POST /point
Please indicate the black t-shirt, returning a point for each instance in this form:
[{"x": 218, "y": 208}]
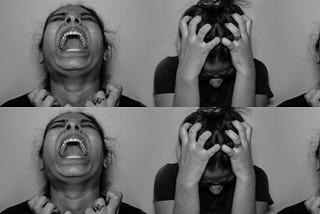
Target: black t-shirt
[
  {"x": 165, "y": 81},
  {"x": 165, "y": 184},
  {"x": 298, "y": 101},
  {"x": 299, "y": 208},
  {"x": 23, "y": 101},
  {"x": 23, "y": 208}
]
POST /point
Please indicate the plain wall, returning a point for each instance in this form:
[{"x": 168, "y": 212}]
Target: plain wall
[{"x": 146, "y": 140}]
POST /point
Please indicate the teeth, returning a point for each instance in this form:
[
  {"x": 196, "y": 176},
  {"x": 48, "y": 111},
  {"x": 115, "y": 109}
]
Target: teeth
[
  {"x": 65, "y": 144},
  {"x": 73, "y": 50},
  {"x": 73, "y": 33},
  {"x": 73, "y": 157}
]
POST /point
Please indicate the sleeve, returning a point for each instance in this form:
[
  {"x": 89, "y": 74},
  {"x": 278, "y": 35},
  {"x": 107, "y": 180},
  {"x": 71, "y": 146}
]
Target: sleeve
[
  {"x": 262, "y": 79},
  {"x": 298, "y": 101},
  {"x": 165, "y": 76},
  {"x": 262, "y": 186},
  {"x": 165, "y": 183}
]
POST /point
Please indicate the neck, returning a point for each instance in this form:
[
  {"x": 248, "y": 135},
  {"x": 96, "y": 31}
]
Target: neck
[
  {"x": 73, "y": 92},
  {"x": 75, "y": 199}
]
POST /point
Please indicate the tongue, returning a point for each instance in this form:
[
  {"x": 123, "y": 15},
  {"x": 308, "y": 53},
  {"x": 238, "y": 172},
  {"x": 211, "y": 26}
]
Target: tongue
[
  {"x": 73, "y": 43},
  {"x": 73, "y": 150}
]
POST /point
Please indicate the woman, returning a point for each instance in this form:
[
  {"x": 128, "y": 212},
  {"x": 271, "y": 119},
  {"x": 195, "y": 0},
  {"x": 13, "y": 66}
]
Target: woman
[
  {"x": 309, "y": 99},
  {"x": 214, "y": 173},
  {"x": 214, "y": 66},
  {"x": 309, "y": 206},
  {"x": 75, "y": 52},
  {"x": 74, "y": 158}
]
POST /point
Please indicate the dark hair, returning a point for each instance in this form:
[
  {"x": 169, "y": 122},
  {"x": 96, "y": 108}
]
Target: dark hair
[
  {"x": 107, "y": 152},
  {"x": 217, "y": 120},
  {"x": 316, "y": 48},
  {"x": 104, "y": 76},
  {"x": 216, "y": 13}
]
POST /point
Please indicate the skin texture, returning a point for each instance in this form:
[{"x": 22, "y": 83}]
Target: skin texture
[
  {"x": 313, "y": 97},
  {"x": 192, "y": 158},
  {"x": 193, "y": 52},
  {"x": 74, "y": 183},
  {"x": 313, "y": 204},
  {"x": 74, "y": 76}
]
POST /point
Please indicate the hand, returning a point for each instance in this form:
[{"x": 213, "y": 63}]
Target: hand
[
  {"x": 42, "y": 205},
  {"x": 240, "y": 48},
  {"x": 110, "y": 98},
  {"x": 313, "y": 97},
  {"x": 192, "y": 49},
  {"x": 40, "y": 97},
  {"x": 313, "y": 204},
  {"x": 193, "y": 158},
  {"x": 240, "y": 154},
  {"x": 111, "y": 205}
]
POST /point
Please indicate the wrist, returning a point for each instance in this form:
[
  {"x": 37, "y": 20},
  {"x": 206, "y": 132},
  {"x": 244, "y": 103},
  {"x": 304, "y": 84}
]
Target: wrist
[
  {"x": 249, "y": 178},
  {"x": 186, "y": 183}
]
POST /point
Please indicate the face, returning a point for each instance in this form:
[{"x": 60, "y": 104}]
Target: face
[
  {"x": 72, "y": 148},
  {"x": 72, "y": 42},
  {"x": 215, "y": 72},
  {"x": 216, "y": 179}
]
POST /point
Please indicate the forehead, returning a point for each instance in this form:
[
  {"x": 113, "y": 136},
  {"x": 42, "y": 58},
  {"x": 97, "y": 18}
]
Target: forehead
[
  {"x": 71, "y": 9},
  {"x": 71, "y": 116}
]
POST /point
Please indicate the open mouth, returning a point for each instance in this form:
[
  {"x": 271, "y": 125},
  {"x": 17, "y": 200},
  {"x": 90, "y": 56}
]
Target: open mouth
[
  {"x": 73, "y": 147},
  {"x": 73, "y": 41}
]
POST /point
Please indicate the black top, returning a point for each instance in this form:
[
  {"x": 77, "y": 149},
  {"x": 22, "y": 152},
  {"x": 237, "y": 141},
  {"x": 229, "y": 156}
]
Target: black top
[
  {"x": 165, "y": 81},
  {"x": 23, "y": 208},
  {"x": 23, "y": 101},
  {"x": 299, "y": 208},
  {"x": 165, "y": 184},
  {"x": 298, "y": 101}
]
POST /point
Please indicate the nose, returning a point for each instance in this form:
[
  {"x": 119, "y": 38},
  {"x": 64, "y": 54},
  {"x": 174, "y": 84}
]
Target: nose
[
  {"x": 72, "y": 126},
  {"x": 73, "y": 19}
]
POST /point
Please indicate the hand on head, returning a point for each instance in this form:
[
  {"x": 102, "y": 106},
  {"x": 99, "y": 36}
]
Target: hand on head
[{"x": 193, "y": 157}]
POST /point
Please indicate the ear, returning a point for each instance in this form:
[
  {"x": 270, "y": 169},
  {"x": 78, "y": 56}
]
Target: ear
[
  {"x": 106, "y": 162},
  {"x": 41, "y": 165},
  {"x": 41, "y": 57},
  {"x": 106, "y": 55}
]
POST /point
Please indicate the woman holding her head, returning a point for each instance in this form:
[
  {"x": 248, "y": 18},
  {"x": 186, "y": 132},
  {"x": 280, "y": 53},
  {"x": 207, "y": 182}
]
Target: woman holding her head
[
  {"x": 215, "y": 172},
  {"x": 75, "y": 52},
  {"x": 214, "y": 66},
  {"x": 74, "y": 159}
]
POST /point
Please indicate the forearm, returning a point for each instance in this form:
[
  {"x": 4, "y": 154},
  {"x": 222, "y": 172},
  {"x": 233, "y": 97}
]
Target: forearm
[
  {"x": 244, "y": 196},
  {"x": 186, "y": 198},
  {"x": 244, "y": 88},
  {"x": 186, "y": 90}
]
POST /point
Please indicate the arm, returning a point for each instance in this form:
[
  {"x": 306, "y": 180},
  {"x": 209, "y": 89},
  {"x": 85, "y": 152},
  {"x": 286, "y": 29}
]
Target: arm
[
  {"x": 242, "y": 60},
  {"x": 193, "y": 52},
  {"x": 242, "y": 166}
]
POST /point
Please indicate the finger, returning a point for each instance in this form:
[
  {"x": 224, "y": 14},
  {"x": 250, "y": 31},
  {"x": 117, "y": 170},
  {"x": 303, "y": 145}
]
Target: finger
[
  {"x": 233, "y": 29},
  {"x": 213, "y": 150},
  {"x": 98, "y": 97},
  {"x": 241, "y": 132},
  {"x": 234, "y": 137},
  {"x": 48, "y": 101},
  {"x": 226, "y": 42},
  {"x": 309, "y": 201},
  {"x": 39, "y": 97},
  {"x": 114, "y": 200},
  {"x": 193, "y": 25},
  {"x": 248, "y": 130},
  {"x": 315, "y": 97},
  {"x": 114, "y": 92},
  {"x": 33, "y": 93},
  {"x": 204, "y": 137},
  {"x": 48, "y": 208},
  {"x": 193, "y": 131},
  {"x": 32, "y": 201},
  {"x": 241, "y": 24},
  {"x": 184, "y": 133},
  {"x": 183, "y": 26},
  {"x": 89, "y": 211},
  {"x": 226, "y": 149},
  {"x": 178, "y": 45},
  {"x": 89, "y": 103},
  {"x": 203, "y": 31},
  {"x": 40, "y": 203},
  {"x": 213, "y": 43},
  {"x": 99, "y": 204},
  {"x": 315, "y": 204},
  {"x": 248, "y": 23}
]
